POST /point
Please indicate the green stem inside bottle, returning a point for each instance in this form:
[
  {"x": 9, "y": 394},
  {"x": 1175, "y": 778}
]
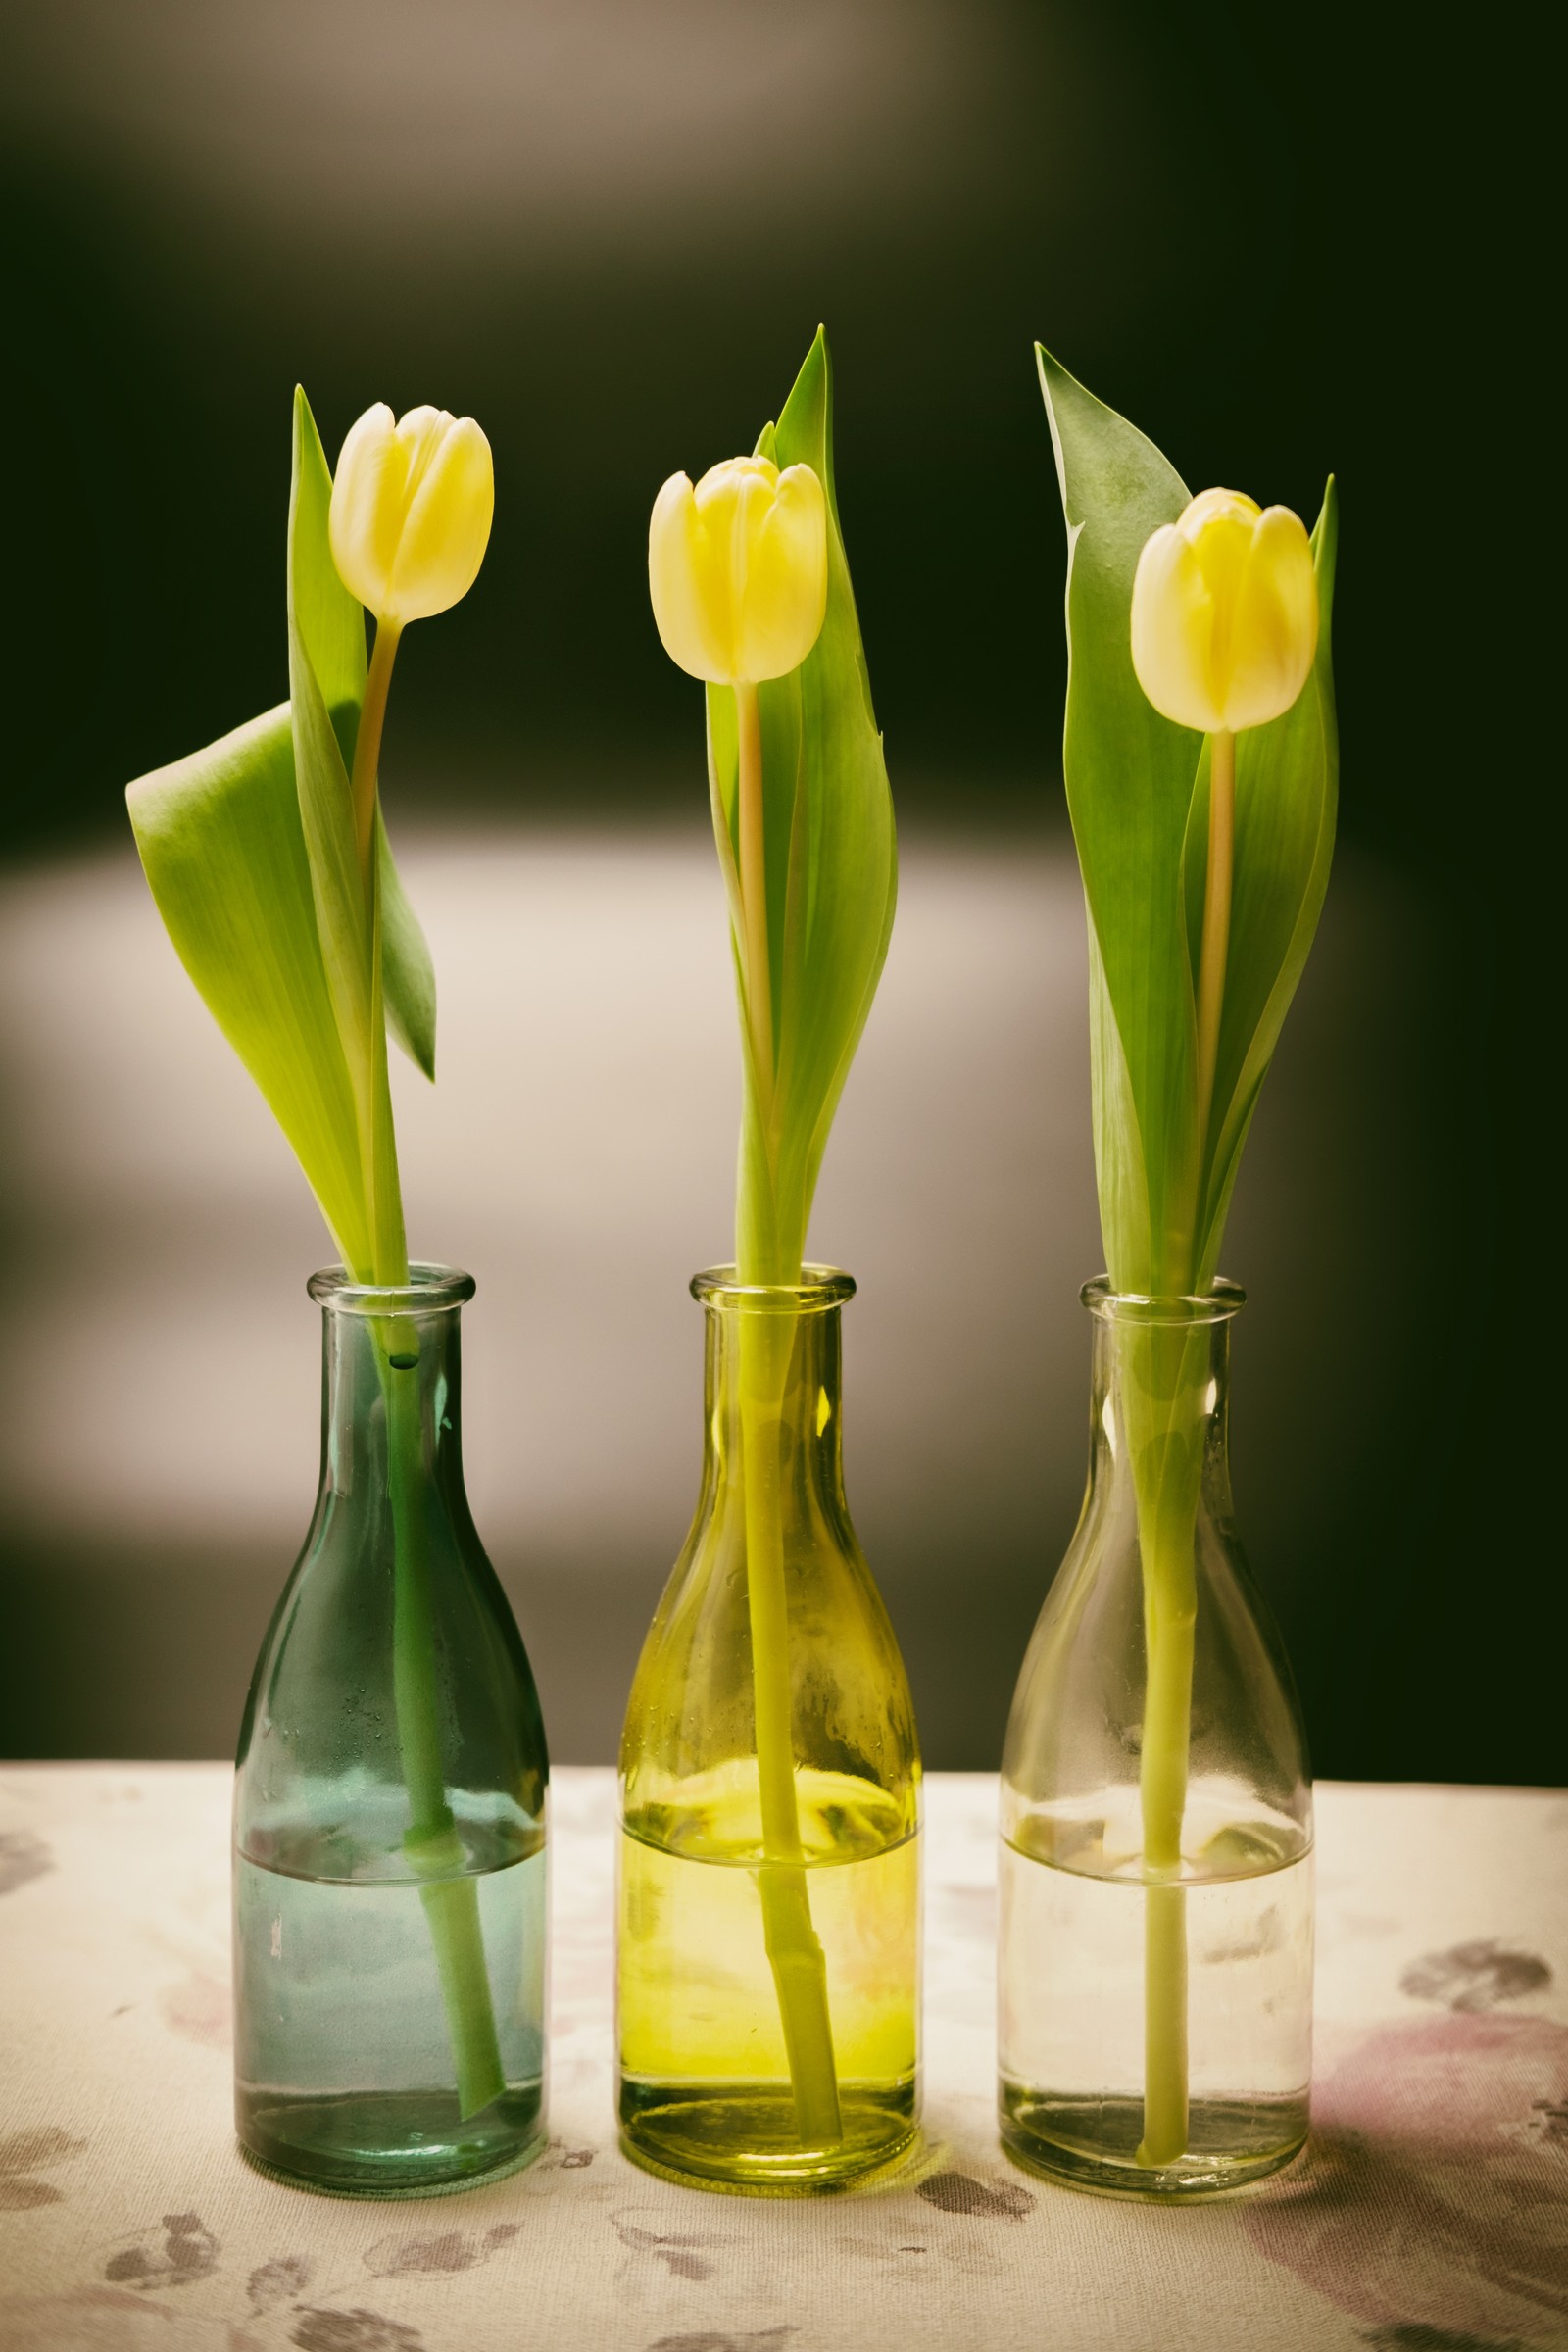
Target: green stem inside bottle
[
  {"x": 431, "y": 1841},
  {"x": 793, "y": 1949},
  {"x": 1165, "y": 1395},
  {"x": 1170, "y": 1377}
]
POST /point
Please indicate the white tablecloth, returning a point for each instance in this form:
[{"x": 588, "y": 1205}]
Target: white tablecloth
[{"x": 1431, "y": 2216}]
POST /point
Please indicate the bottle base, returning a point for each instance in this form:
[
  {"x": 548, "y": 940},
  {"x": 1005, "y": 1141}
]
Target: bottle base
[
  {"x": 743, "y": 2140},
  {"x": 1091, "y": 2143},
  {"x": 409, "y": 2144}
]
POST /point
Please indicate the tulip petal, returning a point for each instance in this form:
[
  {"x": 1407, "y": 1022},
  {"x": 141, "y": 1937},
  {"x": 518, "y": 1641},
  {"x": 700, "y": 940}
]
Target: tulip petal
[
  {"x": 734, "y": 520},
  {"x": 737, "y": 569},
  {"x": 1275, "y": 626},
  {"x": 678, "y": 573},
  {"x": 1172, "y": 630},
  {"x": 1224, "y": 615},
  {"x": 1217, "y": 506},
  {"x": 366, "y": 510},
  {"x": 786, "y": 588},
  {"x": 452, "y": 502}
]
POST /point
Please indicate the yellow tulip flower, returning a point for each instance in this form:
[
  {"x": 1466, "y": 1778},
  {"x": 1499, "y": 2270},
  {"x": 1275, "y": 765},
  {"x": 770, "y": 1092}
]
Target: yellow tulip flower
[
  {"x": 737, "y": 569},
  {"x": 411, "y": 507},
  {"x": 413, "y": 501},
  {"x": 1224, "y": 620}
]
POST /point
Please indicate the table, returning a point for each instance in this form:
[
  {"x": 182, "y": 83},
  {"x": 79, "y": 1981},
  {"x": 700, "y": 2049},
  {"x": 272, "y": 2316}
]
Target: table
[{"x": 1431, "y": 2213}]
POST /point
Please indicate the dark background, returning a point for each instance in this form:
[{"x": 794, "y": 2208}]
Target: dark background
[{"x": 609, "y": 230}]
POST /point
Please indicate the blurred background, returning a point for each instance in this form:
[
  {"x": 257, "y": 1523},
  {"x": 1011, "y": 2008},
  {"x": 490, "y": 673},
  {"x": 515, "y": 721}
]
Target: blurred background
[{"x": 609, "y": 229}]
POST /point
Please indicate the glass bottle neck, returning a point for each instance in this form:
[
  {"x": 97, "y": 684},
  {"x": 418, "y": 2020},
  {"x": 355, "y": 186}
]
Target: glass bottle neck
[
  {"x": 1160, "y": 1395},
  {"x": 390, "y": 1384},
  {"x": 774, "y": 1377}
]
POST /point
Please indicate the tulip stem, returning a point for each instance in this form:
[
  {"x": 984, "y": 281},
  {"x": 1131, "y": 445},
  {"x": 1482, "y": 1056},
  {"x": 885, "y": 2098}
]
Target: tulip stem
[
  {"x": 367, "y": 742},
  {"x": 1163, "y": 1376},
  {"x": 433, "y": 1843},
  {"x": 793, "y": 1949},
  {"x": 753, "y": 864},
  {"x": 1216, "y": 932}
]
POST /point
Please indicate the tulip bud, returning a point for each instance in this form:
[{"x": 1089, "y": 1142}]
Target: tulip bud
[
  {"x": 737, "y": 569},
  {"x": 1224, "y": 621},
  {"x": 412, "y": 507}
]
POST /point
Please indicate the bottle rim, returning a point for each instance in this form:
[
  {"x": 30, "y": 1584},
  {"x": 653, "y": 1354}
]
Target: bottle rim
[
  {"x": 1217, "y": 1305},
  {"x": 430, "y": 1289},
  {"x": 820, "y": 1288}
]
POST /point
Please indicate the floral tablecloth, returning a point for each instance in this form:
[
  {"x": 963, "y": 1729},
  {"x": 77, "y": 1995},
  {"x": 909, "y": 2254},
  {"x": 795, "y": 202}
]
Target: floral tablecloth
[{"x": 1431, "y": 2215}]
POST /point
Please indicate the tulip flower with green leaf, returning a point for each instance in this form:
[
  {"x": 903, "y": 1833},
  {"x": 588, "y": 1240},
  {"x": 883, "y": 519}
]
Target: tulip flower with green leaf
[
  {"x": 1202, "y": 767},
  {"x": 269, "y": 862},
  {"x": 751, "y": 592}
]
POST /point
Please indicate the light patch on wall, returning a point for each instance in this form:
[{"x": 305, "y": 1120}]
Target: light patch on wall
[{"x": 606, "y": 123}]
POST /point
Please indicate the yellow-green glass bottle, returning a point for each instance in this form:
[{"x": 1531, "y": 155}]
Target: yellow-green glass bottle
[{"x": 768, "y": 1963}]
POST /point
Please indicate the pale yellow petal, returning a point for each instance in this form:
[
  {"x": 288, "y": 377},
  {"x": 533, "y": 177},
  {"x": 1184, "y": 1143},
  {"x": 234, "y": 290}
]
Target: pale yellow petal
[
  {"x": 366, "y": 518},
  {"x": 737, "y": 569},
  {"x": 678, "y": 576},
  {"x": 1216, "y": 506},
  {"x": 1275, "y": 627},
  {"x": 786, "y": 587},
  {"x": 1224, "y": 613},
  {"x": 451, "y": 499},
  {"x": 1172, "y": 630}
]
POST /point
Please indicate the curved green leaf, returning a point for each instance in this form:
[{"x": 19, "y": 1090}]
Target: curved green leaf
[
  {"x": 343, "y": 912},
  {"x": 326, "y": 680},
  {"x": 1128, "y": 775},
  {"x": 224, "y": 850},
  {"x": 1287, "y": 795},
  {"x": 407, "y": 973},
  {"x": 248, "y": 846},
  {"x": 832, "y": 866},
  {"x": 1138, "y": 792},
  {"x": 327, "y": 687}
]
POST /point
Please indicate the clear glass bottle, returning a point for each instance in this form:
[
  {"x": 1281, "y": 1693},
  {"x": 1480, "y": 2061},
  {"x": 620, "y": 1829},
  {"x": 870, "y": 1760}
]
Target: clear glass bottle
[
  {"x": 768, "y": 1955},
  {"x": 1155, "y": 1954},
  {"x": 390, "y": 1802}
]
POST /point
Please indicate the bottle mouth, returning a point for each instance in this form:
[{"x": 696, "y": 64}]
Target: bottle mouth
[
  {"x": 818, "y": 1289},
  {"x": 430, "y": 1289},
  {"x": 1217, "y": 1305}
]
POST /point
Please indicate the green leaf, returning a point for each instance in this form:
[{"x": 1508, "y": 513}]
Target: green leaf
[
  {"x": 329, "y": 620},
  {"x": 1138, "y": 792},
  {"x": 1287, "y": 798},
  {"x": 831, "y": 862},
  {"x": 326, "y": 683},
  {"x": 327, "y": 673},
  {"x": 249, "y": 850},
  {"x": 406, "y": 972},
  {"x": 224, "y": 850},
  {"x": 343, "y": 914},
  {"x": 1129, "y": 776}
]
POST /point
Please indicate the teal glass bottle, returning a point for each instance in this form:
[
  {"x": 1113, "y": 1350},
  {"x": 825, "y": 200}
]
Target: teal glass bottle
[{"x": 390, "y": 1798}]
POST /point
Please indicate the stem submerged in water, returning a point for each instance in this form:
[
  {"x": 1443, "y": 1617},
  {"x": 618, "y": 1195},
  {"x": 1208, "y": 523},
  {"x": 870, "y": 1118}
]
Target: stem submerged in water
[
  {"x": 793, "y": 1949},
  {"x": 431, "y": 1841},
  {"x": 1168, "y": 1374},
  {"x": 1169, "y": 1617},
  {"x": 1167, "y": 1467}
]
